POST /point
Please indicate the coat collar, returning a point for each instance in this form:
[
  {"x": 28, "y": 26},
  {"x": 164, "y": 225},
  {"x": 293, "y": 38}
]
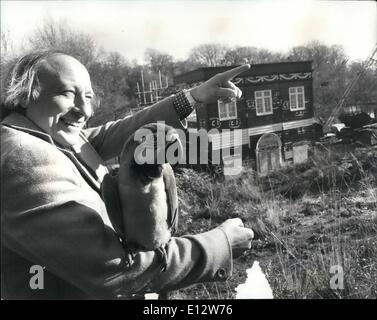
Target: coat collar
[
  {"x": 83, "y": 155},
  {"x": 20, "y": 122}
]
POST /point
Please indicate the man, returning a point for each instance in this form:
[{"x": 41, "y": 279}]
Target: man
[{"x": 52, "y": 213}]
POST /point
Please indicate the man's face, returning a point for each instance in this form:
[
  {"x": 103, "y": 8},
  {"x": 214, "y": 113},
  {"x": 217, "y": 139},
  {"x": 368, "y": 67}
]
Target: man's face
[{"x": 63, "y": 105}]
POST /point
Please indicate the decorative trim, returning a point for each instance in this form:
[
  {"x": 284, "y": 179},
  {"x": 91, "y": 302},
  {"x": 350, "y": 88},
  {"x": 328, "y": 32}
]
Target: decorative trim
[
  {"x": 260, "y": 79},
  {"x": 234, "y": 123},
  {"x": 214, "y": 122},
  {"x": 296, "y": 76},
  {"x": 275, "y": 77}
]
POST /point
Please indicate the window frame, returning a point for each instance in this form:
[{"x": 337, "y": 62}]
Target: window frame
[
  {"x": 263, "y": 97},
  {"x": 301, "y": 130},
  {"x": 296, "y": 97},
  {"x": 226, "y": 105}
]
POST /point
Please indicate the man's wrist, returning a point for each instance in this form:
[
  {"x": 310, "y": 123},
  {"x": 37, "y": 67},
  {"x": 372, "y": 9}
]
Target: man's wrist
[
  {"x": 183, "y": 104},
  {"x": 190, "y": 98}
]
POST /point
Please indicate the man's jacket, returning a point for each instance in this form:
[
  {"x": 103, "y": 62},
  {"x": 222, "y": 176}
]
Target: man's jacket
[{"x": 52, "y": 216}]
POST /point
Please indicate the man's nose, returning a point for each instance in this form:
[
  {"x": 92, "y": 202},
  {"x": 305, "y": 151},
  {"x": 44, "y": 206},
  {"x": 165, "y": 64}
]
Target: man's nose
[{"x": 83, "y": 106}]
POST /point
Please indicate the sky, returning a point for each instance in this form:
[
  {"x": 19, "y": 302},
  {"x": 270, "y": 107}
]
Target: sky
[{"x": 176, "y": 26}]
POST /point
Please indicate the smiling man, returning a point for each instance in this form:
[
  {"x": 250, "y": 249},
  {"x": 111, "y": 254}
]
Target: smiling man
[
  {"x": 64, "y": 101},
  {"x": 52, "y": 213}
]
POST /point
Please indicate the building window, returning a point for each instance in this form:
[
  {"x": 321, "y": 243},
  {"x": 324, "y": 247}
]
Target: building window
[
  {"x": 263, "y": 102},
  {"x": 227, "y": 110},
  {"x": 296, "y": 98},
  {"x": 301, "y": 130}
]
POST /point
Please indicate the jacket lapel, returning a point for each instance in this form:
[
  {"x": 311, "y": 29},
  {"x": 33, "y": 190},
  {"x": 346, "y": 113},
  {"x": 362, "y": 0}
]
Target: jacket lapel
[{"x": 83, "y": 155}]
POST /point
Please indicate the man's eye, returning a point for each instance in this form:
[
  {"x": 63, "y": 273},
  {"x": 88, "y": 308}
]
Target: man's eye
[{"x": 69, "y": 94}]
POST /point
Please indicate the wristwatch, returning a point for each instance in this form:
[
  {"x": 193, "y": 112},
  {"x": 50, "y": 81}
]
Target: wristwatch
[
  {"x": 190, "y": 99},
  {"x": 184, "y": 103}
]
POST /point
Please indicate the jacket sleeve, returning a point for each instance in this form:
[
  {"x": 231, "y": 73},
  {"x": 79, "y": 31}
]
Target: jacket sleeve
[
  {"x": 109, "y": 139},
  {"x": 53, "y": 219}
]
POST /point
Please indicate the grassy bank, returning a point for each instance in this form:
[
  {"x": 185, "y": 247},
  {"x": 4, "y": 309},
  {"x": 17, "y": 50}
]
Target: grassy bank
[{"x": 311, "y": 222}]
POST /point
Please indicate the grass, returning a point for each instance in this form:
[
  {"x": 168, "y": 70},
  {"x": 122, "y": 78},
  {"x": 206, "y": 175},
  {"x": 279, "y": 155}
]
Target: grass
[{"x": 308, "y": 220}]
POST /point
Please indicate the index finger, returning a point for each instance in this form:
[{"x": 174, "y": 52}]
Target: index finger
[{"x": 230, "y": 74}]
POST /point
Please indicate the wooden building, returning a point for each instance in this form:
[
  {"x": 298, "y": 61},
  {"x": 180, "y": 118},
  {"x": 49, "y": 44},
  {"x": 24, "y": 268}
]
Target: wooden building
[{"x": 273, "y": 119}]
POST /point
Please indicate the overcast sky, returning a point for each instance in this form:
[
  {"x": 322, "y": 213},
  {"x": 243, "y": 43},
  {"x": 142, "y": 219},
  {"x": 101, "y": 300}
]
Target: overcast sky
[{"x": 176, "y": 26}]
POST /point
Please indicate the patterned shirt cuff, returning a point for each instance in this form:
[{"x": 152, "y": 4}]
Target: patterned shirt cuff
[{"x": 182, "y": 105}]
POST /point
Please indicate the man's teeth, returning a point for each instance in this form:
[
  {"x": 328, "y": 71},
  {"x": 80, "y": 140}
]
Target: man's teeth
[{"x": 73, "y": 124}]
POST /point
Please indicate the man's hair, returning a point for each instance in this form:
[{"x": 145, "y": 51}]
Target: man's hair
[{"x": 22, "y": 84}]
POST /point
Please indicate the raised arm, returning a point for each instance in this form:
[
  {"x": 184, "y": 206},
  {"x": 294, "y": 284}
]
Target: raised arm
[{"x": 108, "y": 139}]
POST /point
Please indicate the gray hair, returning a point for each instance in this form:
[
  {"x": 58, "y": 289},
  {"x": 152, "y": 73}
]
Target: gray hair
[{"x": 22, "y": 84}]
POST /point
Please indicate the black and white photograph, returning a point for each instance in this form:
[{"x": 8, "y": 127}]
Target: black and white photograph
[{"x": 188, "y": 150}]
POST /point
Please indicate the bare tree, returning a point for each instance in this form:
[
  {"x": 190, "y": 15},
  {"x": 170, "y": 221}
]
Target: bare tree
[
  {"x": 209, "y": 55},
  {"x": 158, "y": 61},
  {"x": 60, "y": 36},
  {"x": 329, "y": 73},
  {"x": 240, "y": 55},
  {"x": 365, "y": 90}
]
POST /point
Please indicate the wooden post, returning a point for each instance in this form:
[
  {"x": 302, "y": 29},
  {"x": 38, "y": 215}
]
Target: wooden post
[
  {"x": 143, "y": 87},
  {"x": 138, "y": 93},
  {"x": 151, "y": 91}
]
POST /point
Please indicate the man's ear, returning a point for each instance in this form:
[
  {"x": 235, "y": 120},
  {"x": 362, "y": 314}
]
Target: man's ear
[
  {"x": 22, "y": 104},
  {"x": 23, "y": 101}
]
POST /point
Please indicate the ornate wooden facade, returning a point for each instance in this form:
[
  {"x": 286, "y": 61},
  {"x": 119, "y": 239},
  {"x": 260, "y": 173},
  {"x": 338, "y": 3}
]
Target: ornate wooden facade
[{"x": 277, "y": 98}]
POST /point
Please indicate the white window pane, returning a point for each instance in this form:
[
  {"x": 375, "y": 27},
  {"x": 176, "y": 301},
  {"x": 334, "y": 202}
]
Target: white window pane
[
  {"x": 301, "y": 101},
  {"x": 258, "y": 94},
  {"x": 267, "y": 105},
  {"x": 222, "y": 110},
  {"x": 299, "y": 89},
  {"x": 259, "y": 104},
  {"x": 227, "y": 110},
  {"x": 234, "y": 106},
  {"x": 267, "y": 93},
  {"x": 232, "y": 109},
  {"x": 292, "y": 100}
]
